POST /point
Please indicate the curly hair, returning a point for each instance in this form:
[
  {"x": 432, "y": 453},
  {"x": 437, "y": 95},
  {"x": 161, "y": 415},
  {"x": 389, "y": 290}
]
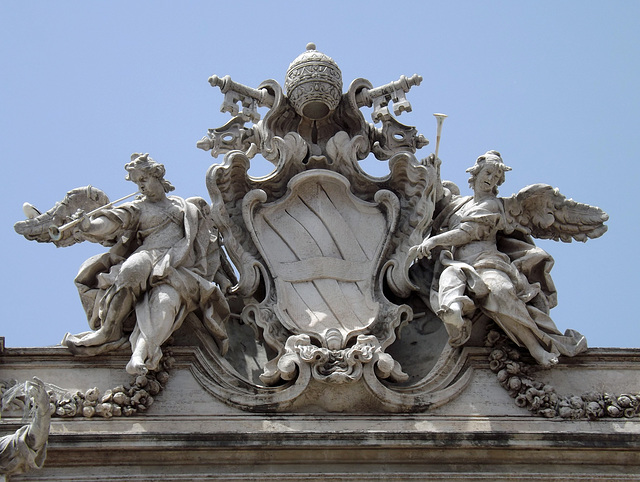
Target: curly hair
[
  {"x": 143, "y": 163},
  {"x": 481, "y": 162}
]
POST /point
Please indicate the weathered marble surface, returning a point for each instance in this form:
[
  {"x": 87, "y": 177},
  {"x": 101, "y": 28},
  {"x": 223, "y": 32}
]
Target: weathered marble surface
[
  {"x": 165, "y": 263},
  {"x": 329, "y": 302},
  {"x": 26, "y": 448},
  {"x": 189, "y": 435},
  {"x": 485, "y": 262},
  {"x": 334, "y": 349}
]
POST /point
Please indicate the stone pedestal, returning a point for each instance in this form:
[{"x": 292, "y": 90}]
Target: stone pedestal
[{"x": 187, "y": 434}]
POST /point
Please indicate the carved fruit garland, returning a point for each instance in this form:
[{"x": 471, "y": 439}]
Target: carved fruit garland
[
  {"x": 133, "y": 397},
  {"x": 515, "y": 376}
]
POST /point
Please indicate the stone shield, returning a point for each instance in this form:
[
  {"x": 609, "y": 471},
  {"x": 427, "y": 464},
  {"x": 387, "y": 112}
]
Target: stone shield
[{"x": 322, "y": 246}]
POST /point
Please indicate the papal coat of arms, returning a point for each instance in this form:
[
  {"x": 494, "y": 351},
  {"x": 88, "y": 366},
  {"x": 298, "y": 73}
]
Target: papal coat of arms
[{"x": 318, "y": 278}]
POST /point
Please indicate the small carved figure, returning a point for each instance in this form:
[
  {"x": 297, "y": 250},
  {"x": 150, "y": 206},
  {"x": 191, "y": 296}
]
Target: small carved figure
[
  {"x": 26, "y": 449},
  {"x": 485, "y": 259},
  {"x": 165, "y": 263}
]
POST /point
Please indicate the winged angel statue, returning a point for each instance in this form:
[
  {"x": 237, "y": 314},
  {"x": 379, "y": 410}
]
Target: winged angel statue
[
  {"x": 164, "y": 264},
  {"x": 332, "y": 262},
  {"x": 484, "y": 259}
]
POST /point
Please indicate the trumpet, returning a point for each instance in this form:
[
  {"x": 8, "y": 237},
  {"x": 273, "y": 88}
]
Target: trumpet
[
  {"x": 439, "y": 119},
  {"x": 55, "y": 232}
]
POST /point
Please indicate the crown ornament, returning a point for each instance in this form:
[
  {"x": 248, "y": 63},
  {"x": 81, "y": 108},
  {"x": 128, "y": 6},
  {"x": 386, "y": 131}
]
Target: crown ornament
[{"x": 314, "y": 84}]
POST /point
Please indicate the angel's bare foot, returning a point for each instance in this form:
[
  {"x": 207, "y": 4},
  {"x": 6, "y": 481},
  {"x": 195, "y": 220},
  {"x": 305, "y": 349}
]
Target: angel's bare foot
[
  {"x": 99, "y": 337},
  {"x": 136, "y": 366},
  {"x": 544, "y": 358},
  {"x": 458, "y": 327}
]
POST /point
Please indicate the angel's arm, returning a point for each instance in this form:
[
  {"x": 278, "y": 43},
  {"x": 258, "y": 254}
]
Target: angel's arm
[
  {"x": 98, "y": 229},
  {"x": 434, "y": 163},
  {"x": 38, "y": 430},
  {"x": 101, "y": 227},
  {"x": 455, "y": 237}
]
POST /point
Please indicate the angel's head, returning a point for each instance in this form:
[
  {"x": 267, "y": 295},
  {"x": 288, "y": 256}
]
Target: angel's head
[
  {"x": 489, "y": 166},
  {"x": 148, "y": 175}
]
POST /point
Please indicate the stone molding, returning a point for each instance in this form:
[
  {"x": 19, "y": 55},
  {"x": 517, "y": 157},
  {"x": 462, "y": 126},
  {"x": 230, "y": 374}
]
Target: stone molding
[{"x": 188, "y": 435}]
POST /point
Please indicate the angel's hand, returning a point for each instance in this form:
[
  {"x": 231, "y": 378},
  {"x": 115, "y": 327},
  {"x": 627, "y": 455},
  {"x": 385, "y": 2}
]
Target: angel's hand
[
  {"x": 84, "y": 222},
  {"x": 38, "y": 392},
  {"x": 431, "y": 160},
  {"x": 422, "y": 250}
]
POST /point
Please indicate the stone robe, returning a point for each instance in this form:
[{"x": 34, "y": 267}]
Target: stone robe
[
  {"x": 500, "y": 272},
  {"x": 188, "y": 265}
]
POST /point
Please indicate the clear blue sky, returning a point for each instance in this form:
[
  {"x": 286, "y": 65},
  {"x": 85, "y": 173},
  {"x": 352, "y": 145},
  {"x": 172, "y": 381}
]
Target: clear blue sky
[{"x": 554, "y": 86}]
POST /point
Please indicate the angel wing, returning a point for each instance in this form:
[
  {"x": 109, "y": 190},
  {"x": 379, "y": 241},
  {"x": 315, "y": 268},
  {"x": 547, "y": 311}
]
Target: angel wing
[
  {"x": 543, "y": 212},
  {"x": 84, "y": 198}
]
